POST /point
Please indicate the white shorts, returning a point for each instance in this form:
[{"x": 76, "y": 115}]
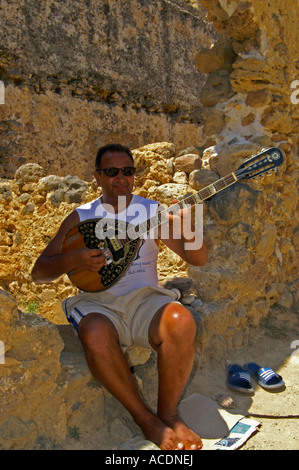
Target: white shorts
[{"x": 131, "y": 314}]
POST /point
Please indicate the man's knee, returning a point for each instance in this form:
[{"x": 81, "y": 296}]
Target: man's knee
[
  {"x": 173, "y": 322},
  {"x": 96, "y": 331},
  {"x": 180, "y": 320}
]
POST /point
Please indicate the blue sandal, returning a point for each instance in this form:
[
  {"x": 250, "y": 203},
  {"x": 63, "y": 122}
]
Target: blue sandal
[
  {"x": 238, "y": 379},
  {"x": 264, "y": 376}
]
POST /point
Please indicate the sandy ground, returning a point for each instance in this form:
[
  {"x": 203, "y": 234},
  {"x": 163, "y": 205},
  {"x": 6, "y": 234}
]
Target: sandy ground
[{"x": 274, "y": 344}]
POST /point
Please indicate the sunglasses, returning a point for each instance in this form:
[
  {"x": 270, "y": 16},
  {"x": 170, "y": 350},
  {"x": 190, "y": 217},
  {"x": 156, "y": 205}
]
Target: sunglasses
[{"x": 112, "y": 171}]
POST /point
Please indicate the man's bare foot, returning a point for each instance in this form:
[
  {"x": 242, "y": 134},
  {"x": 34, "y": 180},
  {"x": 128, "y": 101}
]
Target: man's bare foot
[
  {"x": 159, "y": 433},
  {"x": 185, "y": 435}
]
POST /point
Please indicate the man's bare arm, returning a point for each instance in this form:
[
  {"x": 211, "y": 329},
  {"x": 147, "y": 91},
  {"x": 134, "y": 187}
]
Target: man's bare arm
[
  {"x": 181, "y": 237},
  {"x": 51, "y": 264}
]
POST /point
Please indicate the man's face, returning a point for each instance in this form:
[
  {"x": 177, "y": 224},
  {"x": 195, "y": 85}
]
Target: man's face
[{"x": 118, "y": 185}]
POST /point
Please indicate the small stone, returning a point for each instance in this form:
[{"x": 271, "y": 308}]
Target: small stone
[
  {"x": 258, "y": 98},
  {"x": 28, "y": 173},
  {"x": 197, "y": 303},
  {"x": 224, "y": 400},
  {"x": 188, "y": 163},
  {"x": 187, "y": 299}
]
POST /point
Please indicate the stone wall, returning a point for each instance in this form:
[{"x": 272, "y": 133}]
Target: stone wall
[
  {"x": 80, "y": 74},
  {"x": 248, "y": 104},
  {"x": 250, "y": 73}
]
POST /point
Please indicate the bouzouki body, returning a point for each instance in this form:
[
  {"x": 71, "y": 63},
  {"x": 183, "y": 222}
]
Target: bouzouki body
[
  {"x": 90, "y": 234},
  {"x": 118, "y": 239}
]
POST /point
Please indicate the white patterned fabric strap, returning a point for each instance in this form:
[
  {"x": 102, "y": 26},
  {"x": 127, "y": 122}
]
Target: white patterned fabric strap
[
  {"x": 266, "y": 374},
  {"x": 242, "y": 375}
]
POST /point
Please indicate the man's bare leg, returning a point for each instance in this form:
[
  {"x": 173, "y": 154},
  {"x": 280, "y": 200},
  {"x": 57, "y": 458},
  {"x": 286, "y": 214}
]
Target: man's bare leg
[
  {"x": 109, "y": 366},
  {"x": 172, "y": 334}
]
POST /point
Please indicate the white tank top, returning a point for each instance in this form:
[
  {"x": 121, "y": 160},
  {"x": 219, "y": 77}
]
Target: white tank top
[{"x": 143, "y": 270}]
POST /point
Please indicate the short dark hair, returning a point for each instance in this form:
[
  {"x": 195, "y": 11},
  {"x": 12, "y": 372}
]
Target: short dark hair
[{"x": 111, "y": 148}]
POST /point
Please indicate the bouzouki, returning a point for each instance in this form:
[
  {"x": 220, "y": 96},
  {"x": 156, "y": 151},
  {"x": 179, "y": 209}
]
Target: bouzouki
[{"x": 120, "y": 241}]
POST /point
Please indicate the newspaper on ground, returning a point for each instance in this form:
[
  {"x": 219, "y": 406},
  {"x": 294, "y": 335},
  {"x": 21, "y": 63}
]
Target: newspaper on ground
[{"x": 238, "y": 435}]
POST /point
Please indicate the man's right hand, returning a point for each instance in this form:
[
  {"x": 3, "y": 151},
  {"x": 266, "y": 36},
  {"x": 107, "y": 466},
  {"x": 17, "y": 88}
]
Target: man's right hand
[{"x": 89, "y": 259}]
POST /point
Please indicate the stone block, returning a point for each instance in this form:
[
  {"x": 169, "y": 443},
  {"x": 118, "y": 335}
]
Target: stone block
[{"x": 188, "y": 163}]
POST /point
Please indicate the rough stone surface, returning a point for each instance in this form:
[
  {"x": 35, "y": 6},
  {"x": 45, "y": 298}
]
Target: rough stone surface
[{"x": 78, "y": 75}]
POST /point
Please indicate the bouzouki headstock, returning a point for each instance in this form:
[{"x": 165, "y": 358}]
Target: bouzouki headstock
[{"x": 263, "y": 162}]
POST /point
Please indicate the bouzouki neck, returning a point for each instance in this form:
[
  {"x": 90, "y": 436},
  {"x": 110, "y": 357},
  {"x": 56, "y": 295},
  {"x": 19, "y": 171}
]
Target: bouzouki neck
[{"x": 263, "y": 162}]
